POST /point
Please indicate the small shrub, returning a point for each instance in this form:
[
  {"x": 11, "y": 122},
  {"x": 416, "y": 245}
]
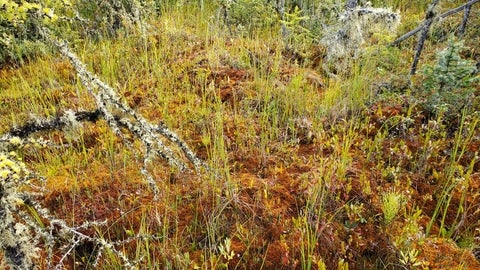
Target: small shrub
[
  {"x": 16, "y": 29},
  {"x": 21, "y": 22},
  {"x": 448, "y": 85},
  {"x": 391, "y": 205},
  {"x": 245, "y": 16},
  {"x": 298, "y": 34}
]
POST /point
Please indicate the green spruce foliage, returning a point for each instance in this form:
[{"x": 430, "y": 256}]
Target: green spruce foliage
[{"x": 449, "y": 84}]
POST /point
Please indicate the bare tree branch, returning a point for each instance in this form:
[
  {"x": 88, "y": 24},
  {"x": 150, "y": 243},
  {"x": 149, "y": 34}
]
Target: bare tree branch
[
  {"x": 421, "y": 41},
  {"x": 458, "y": 9},
  {"x": 53, "y": 123},
  {"x": 107, "y": 100}
]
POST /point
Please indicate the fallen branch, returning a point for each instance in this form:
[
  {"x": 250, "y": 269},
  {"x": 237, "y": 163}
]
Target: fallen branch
[
  {"x": 55, "y": 123},
  {"x": 118, "y": 114},
  {"x": 24, "y": 223}
]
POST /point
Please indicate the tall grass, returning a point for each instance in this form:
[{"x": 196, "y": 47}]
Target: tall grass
[{"x": 456, "y": 176}]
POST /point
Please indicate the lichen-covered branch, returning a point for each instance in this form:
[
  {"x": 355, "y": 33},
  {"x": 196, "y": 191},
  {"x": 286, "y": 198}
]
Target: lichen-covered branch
[
  {"x": 55, "y": 123},
  {"x": 121, "y": 118},
  {"x": 16, "y": 240},
  {"x": 24, "y": 223},
  {"x": 344, "y": 40}
]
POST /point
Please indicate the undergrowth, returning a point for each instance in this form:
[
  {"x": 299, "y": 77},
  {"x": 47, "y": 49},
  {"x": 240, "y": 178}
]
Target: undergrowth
[{"x": 302, "y": 163}]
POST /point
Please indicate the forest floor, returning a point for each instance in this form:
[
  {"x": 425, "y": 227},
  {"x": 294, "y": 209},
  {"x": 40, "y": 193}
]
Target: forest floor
[{"x": 307, "y": 171}]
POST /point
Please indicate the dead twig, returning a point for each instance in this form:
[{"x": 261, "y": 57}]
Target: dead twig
[{"x": 54, "y": 123}]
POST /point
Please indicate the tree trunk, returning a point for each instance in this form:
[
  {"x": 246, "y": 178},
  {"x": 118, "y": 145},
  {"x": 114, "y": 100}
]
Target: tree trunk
[
  {"x": 421, "y": 41},
  {"x": 463, "y": 25}
]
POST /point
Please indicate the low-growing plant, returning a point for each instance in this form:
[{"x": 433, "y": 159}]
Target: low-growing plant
[
  {"x": 298, "y": 35},
  {"x": 391, "y": 205},
  {"x": 311, "y": 222},
  {"x": 246, "y": 16},
  {"x": 449, "y": 84},
  {"x": 226, "y": 251},
  {"x": 19, "y": 22},
  {"x": 411, "y": 231},
  {"x": 409, "y": 259}
]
